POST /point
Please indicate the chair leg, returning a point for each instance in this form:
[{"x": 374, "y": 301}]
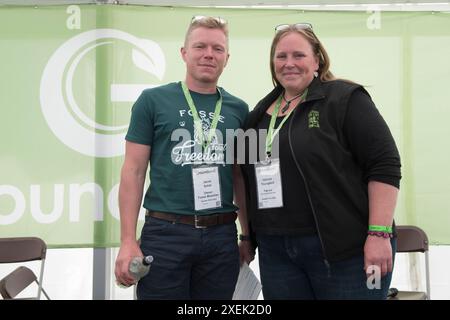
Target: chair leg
[
  {"x": 41, "y": 289},
  {"x": 46, "y": 295}
]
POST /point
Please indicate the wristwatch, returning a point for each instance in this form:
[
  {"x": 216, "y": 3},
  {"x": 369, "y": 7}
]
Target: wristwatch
[{"x": 244, "y": 237}]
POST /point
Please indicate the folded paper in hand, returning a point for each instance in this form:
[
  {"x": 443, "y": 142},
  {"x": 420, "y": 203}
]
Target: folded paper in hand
[{"x": 248, "y": 286}]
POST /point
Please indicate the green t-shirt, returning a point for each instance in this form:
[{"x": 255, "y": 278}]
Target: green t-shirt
[{"x": 161, "y": 115}]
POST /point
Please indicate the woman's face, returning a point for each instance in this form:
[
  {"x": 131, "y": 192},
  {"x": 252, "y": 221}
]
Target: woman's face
[{"x": 294, "y": 63}]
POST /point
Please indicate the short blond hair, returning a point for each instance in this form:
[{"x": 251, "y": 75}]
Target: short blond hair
[{"x": 206, "y": 22}]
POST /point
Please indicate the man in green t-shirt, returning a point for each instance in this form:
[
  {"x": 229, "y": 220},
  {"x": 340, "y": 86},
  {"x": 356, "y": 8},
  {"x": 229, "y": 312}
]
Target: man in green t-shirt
[{"x": 185, "y": 130}]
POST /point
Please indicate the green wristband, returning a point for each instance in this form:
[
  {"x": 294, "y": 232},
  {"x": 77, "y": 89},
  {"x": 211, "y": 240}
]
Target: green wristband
[{"x": 380, "y": 228}]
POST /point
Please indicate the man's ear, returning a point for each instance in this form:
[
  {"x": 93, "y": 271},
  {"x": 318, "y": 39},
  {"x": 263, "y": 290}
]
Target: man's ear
[
  {"x": 183, "y": 53},
  {"x": 226, "y": 61}
]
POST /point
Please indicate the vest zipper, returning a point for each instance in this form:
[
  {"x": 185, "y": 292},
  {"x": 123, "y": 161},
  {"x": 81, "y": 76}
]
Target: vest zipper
[{"x": 327, "y": 264}]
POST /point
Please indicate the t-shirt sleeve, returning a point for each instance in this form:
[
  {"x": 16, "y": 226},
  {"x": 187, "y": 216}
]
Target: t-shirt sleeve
[
  {"x": 244, "y": 114},
  {"x": 371, "y": 141},
  {"x": 244, "y": 119},
  {"x": 141, "y": 123},
  {"x": 238, "y": 154}
]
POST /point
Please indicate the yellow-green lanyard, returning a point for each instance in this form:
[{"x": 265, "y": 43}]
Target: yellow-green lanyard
[
  {"x": 272, "y": 131},
  {"x": 197, "y": 121}
]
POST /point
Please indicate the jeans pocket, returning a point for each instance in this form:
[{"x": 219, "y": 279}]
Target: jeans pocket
[{"x": 154, "y": 226}]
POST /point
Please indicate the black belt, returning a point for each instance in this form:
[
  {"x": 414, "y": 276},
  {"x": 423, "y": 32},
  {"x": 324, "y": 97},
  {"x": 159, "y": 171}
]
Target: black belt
[{"x": 199, "y": 221}]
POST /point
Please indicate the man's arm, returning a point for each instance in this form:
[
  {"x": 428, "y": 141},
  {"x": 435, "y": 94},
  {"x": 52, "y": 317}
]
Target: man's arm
[
  {"x": 246, "y": 251},
  {"x": 131, "y": 187}
]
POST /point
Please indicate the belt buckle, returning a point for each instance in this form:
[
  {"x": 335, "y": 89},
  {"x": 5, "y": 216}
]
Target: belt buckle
[{"x": 196, "y": 223}]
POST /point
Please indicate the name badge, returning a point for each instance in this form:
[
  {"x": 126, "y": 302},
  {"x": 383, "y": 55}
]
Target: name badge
[
  {"x": 206, "y": 183},
  {"x": 268, "y": 183}
]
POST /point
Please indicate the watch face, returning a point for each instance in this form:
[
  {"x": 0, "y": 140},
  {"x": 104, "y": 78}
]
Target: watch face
[{"x": 244, "y": 238}]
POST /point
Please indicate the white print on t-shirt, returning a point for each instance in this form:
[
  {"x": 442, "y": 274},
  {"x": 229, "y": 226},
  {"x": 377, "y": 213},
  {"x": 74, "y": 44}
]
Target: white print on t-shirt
[
  {"x": 182, "y": 154},
  {"x": 189, "y": 151},
  {"x": 202, "y": 114}
]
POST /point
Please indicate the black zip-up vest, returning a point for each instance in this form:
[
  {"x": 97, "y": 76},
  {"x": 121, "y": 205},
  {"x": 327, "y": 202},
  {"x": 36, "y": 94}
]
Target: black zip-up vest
[{"x": 335, "y": 184}]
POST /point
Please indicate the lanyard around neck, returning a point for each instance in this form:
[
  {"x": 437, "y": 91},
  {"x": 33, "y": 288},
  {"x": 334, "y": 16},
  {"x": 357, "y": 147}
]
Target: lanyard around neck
[
  {"x": 272, "y": 132},
  {"x": 197, "y": 121}
]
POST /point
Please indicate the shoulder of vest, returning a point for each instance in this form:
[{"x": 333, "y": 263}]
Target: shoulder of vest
[{"x": 340, "y": 85}]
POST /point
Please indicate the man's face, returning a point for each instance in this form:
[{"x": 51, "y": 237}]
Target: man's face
[{"x": 205, "y": 54}]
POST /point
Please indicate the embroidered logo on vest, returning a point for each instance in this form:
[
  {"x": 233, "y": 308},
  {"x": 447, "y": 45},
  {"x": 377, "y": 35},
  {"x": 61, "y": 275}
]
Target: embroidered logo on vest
[{"x": 313, "y": 119}]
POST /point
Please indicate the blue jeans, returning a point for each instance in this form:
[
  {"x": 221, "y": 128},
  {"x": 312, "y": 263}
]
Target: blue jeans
[
  {"x": 189, "y": 263},
  {"x": 293, "y": 267}
]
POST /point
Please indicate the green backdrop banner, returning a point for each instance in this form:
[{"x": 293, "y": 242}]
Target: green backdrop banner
[{"x": 69, "y": 76}]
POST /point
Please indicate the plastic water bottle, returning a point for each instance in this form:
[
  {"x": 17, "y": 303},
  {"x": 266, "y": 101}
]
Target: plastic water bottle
[{"x": 140, "y": 266}]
